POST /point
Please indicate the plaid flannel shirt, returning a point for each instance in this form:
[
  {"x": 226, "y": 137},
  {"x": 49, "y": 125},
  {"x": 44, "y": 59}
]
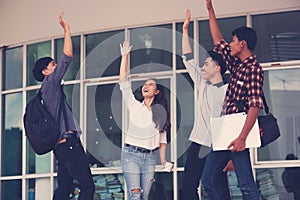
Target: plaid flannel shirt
[{"x": 246, "y": 81}]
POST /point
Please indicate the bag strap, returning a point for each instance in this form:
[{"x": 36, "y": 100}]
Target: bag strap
[
  {"x": 240, "y": 104},
  {"x": 265, "y": 103},
  {"x": 61, "y": 106}
]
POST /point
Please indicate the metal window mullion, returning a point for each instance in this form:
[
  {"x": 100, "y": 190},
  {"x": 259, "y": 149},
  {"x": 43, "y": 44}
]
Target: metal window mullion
[
  {"x": 173, "y": 117},
  {"x": 24, "y": 166}
]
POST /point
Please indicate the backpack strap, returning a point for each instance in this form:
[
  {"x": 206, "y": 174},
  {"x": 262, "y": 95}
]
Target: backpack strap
[{"x": 61, "y": 107}]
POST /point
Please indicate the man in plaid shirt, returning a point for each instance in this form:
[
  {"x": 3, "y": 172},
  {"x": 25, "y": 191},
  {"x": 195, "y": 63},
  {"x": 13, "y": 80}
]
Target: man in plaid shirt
[{"x": 244, "y": 89}]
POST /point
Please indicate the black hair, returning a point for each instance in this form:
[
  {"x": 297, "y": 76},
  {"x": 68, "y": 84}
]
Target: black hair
[
  {"x": 160, "y": 109},
  {"x": 39, "y": 66},
  {"x": 218, "y": 58},
  {"x": 247, "y": 34}
]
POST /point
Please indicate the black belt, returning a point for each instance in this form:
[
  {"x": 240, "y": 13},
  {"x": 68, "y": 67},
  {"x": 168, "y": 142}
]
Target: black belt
[{"x": 141, "y": 149}]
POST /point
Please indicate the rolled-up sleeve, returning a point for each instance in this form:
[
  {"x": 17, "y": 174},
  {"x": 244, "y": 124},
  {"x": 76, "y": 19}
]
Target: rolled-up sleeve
[
  {"x": 256, "y": 78},
  {"x": 163, "y": 137}
]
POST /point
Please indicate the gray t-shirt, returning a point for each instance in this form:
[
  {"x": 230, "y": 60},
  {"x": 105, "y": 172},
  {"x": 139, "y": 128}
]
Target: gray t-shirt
[{"x": 52, "y": 94}]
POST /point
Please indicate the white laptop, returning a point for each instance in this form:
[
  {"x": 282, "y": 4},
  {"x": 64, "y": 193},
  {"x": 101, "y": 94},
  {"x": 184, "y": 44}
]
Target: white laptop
[{"x": 226, "y": 128}]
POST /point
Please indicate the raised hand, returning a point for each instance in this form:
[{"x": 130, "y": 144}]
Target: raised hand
[
  {"x": 209, "y": 4},
  {"x": 187, "y": 19},
  {"x": 125, "y": 48},
  {"x": 68, "y": 47},
  {"x": 63, "y": 22}
]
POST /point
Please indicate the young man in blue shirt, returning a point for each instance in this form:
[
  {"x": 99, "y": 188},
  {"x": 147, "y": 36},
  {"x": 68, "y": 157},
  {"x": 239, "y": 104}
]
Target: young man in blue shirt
[{"x": 70, "y": 155}]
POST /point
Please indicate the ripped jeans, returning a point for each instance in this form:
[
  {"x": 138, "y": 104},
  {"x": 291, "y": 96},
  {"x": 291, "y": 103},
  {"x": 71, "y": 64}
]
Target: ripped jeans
[{"x": 138, "y": 171}]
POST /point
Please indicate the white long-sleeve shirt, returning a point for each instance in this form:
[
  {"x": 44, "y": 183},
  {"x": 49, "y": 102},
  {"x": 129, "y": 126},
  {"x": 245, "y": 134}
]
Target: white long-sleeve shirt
[
  {"x": 141, "y": 130},
  {"x": 208, "y": 103}
]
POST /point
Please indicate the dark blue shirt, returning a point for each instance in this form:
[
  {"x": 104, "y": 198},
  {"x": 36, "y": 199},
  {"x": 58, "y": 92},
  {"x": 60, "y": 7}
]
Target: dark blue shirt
[{"x": 52, "y": 94}]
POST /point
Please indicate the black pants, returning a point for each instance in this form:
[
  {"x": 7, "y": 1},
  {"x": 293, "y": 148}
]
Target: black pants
[
  {"x": 194, "y": 166},
  {"x": 73, "y": 164}
]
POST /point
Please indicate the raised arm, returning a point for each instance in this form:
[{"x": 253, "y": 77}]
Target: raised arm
[
  {"x": 125, "y": 49},
  {"x": 68, "y": 48},
  {"x": 213, "y": 24},
  {"x": 186, "y": 47}
]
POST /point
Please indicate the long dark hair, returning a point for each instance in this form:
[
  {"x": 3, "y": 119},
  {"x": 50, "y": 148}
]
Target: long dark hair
[{"x": 160, "y": 109}]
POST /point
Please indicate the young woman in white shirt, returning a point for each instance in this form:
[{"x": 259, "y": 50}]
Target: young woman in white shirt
[{"x": 145, "y": 137}]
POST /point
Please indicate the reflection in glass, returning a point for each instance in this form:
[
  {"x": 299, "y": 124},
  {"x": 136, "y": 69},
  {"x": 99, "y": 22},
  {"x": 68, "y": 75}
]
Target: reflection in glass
[
  {"x": 13, "y": 68},
  {"x": 291, "y": 178},
  {"x": 73, "y": 99},
  {"x": 11, "y": 190},
  {"x": 103, "y": 55},
  {"x": 38, "y": 188},
  {"x": 73, "y": 71},
  {"x": 104, "y": 124},
  {"x": 162, "y": 188},
  {"x": 282, "y": 88},
  {"x": 35, "y": 163},
  {"x": 109, "y": 186},
  {"x": 185, "y": 115},
  {"x": 31, "y": 189},
  {"x": 179, "y": 63},
  {"x": 11, "y": 144},
  {"x": 34, "y": 52},
  {"x": 279, "y": 183},
  {"x": 200, "y": 190},
  {"x": 227, "y": 25},
  {"x": 278, "y": 41},
  {"x": 152, "y": 49}
]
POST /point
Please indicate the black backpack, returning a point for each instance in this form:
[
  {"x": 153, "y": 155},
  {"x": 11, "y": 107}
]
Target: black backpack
[{"x": 41, "y": 129}]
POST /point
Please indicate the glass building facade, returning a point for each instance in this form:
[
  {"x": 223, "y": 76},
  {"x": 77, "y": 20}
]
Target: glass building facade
[{"x": 92, "y": 90}]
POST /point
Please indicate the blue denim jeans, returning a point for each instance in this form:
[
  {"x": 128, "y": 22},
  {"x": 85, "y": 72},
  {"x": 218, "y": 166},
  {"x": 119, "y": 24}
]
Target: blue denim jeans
[
  {"x": 138, "y": 171},
  {"x": 217, "y": 160}
]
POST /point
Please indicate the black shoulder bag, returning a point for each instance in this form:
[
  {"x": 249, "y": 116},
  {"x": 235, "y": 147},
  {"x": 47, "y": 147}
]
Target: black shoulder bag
[{"x": 269, "y": 129}]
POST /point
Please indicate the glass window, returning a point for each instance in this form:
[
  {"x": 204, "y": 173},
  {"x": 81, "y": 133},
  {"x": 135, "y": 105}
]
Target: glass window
[
  {"x": 162, "y": 188},
  {"x": 11, "y": 145},
  {"x": 103, "y": 118},
  {"x": 279, "y": 183},
  {"x": 30, "y": 189},
  {"x": 11, "y": 189},
  {"x": 34, "y": 52},
  {"x": 73, "y": 99},
  {"x": 227, "y": 25},
  {"x": 109, "y": 186},
  {"x": 35, "y": 163},
  {"x": 282, "y": 89},
  {"x": 13, "y": 68},
  {"x": 73, "y": 71},
  {"x": 179, "y": 63},
  {"x": 201, "y": 192},
  {"x": 152, "y": 49},
  {"x": 103, "y": 55},
  {"x": 185, "y": 115},
  {"x": 277, "y": 39}
]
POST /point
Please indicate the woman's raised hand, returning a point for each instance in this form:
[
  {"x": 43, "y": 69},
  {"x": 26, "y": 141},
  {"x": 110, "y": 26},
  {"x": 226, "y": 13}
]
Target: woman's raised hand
[{"x": 125, "y": 48}]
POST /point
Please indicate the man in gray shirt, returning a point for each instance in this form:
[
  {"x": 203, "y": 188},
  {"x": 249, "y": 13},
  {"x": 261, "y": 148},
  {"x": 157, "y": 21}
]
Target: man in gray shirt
[
  {"x": 71, "y": 157},
  {"x": 210, "y": 95}
]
